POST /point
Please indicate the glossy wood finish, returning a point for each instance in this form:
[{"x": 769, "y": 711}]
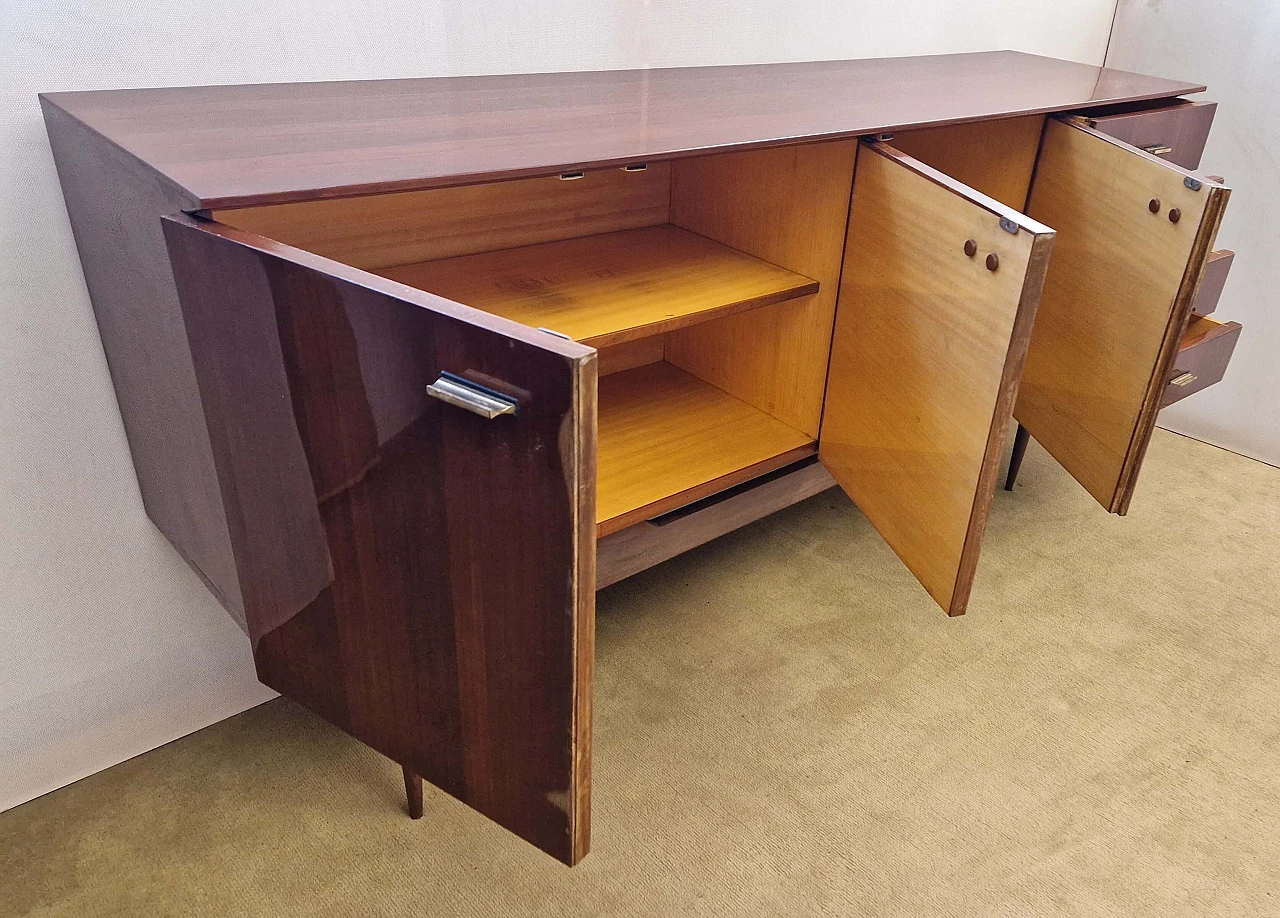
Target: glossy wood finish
[
  {"x": 667, "y": 438},
  {"x": 1202, "y": 359},
  {"x": 114, "y": 204},
  {"x": 790, "y": 207},
  {"x": 241, "y": 145},
  {"x": 1116, "y": 299},
  {"x": 647, "y": 543},
  {"x": 392, "y": 581},
  {"x": 611, "y": 288},
  {"x": 996, "y": 158},
  {"x": 381, "y": 231},
  {"x": 925, "y": 360},
  {"x": 1214, "y": 280},
  {"x": 1177, "y": 133}
]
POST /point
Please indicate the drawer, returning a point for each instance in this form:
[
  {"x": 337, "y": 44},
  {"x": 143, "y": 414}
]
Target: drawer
[
  {"x": 1176, "y": 133},
  {"x": 1202, "y": 358},
  {"x": 1215, "y": 277}
]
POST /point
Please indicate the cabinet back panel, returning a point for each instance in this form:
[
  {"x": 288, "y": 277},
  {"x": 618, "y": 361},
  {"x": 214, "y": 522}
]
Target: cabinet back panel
[
  {"x": 382, "y": 231},
  {"x": 788, "y": 206},
  {"x": 994, "y": 157}
]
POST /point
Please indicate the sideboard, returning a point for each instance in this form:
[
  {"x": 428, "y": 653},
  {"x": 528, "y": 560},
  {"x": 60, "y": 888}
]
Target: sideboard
[{"x": 409, "y": 369}]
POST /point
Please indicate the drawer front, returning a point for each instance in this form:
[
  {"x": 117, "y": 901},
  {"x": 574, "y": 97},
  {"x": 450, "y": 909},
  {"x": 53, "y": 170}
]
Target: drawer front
[
  {"x": 1202, "y": 358},
  {"x": 1216, "y": 270},
  {"x": 1177, "y": 133}
]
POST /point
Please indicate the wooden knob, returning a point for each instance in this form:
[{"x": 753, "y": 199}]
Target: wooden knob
[
  {"x": 1174, "y": 215},
  {"x": 1154, "y": 205},
  {"x": 993, "y": 261},
  {"x": 971, "y": 247}
]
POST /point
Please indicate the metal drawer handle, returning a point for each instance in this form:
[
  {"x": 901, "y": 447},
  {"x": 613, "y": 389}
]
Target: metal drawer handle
[
  {"x": 1158, "y": 149},
  {"x": 1184, "y": 379},
  {"x": 463, "y": 393}
]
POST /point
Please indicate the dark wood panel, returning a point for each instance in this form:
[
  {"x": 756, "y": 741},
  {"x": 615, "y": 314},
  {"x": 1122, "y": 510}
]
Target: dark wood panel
[
  {"x": 237, "y": 145},
  {"x": 1202, "y": 359},
  {"x": 418, "y": 575},
  {"x": 115, "y": 203},
  {"x": 1177, "y": 133},
  {"x": 1216, "y": 270}
]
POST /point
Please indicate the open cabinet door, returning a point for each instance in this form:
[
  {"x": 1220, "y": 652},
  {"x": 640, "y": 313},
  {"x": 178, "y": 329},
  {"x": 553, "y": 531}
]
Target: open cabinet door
[
  {"x": 1134, "y": 234},
  {"x": 937, "y": 299},
  {"x": 409, "y": 487}
]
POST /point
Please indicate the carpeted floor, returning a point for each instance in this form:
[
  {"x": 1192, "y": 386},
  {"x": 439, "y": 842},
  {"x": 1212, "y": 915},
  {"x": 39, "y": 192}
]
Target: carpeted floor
[{"x": 786, "y": 725}]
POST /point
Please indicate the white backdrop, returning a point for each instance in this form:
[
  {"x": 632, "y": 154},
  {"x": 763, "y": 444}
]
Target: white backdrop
[
  {"x": 1234, "y": 47},
  {"x": 109, "y": 645}
]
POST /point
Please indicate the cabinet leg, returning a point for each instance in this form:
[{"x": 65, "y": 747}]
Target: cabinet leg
[
  {"x": 1015, "y": 461},
  {"x": 413, "y": 792}
]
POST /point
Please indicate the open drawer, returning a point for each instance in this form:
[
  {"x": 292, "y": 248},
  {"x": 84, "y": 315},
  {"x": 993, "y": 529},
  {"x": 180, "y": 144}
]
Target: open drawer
[{"x": 1203, "y": 355}]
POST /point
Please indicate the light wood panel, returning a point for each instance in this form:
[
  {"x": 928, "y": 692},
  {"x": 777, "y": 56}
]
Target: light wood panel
[
  {"x": 611, "y": 288},
  {"x": 1116, "y": 299},
  {"x": 788, "y": 206},
  {"x": 667, "y": 438},
  {"x": 645, "y": 544},
  {"x": 994, "y": 157},
  {"x": 378, "y": 231},
  {"x": 925, "y": 360},
  {"x": 629, "y": 354}
]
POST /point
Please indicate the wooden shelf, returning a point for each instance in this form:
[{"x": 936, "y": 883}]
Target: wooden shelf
[
  {"x": 612, "y": 287},
  {"x": 666, "y": 438}
]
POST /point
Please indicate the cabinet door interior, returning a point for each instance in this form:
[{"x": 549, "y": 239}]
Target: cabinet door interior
[
  {"x": 417, "y": 573},
  {"x": 1134, "y": 233},
  {"x": 937, "y": 299}
]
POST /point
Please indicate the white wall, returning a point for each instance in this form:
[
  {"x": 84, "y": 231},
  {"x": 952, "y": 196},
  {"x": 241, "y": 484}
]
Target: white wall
[
  {"x": 109, "y": 645},
  {"x": 1233, "y": 46}
]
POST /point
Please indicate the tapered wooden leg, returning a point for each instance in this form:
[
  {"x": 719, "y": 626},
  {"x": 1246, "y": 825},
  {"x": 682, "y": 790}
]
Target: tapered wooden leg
[
  {"x": 1015, "y": 461},
  {"x": 413, "y": 791}
]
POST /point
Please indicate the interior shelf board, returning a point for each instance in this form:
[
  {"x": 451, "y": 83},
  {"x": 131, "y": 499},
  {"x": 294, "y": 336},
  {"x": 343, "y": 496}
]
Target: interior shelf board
[
  {"x": 666, "y": 438},
  {"x": 612, "y": 287}
]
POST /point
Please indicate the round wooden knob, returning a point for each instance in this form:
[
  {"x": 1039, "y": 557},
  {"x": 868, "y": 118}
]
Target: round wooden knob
[
  {"x": 971, "y": 247},
  {"x": 993, "y": 261},
  {"x": 1154, "y": 205},
  {"x": 1174, "y": 215}
]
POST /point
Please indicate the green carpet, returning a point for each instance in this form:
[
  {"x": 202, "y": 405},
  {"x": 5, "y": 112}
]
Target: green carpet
[{"x": 786, "y": 725}]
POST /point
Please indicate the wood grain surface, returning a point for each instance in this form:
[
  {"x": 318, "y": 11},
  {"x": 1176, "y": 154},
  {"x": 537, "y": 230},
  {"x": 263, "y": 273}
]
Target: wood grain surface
[
  {"x": 1177, "y": 133},
  {"x": 1116, "y": 300},
  {"x": 419, "y": 576},
  {"x": 788, "y": 206},
  {"x": 241, "y": 145},
  {"x": 611, "y": 288},
  {"x": 994, "y": 157},
  {"x": 381, "y": 231},
  {"x": 1202, "y": 358},
  {"x": 927, "y": 351},
  {"x": 644, "y": 544},
  {"x": 667, "y": 438}
]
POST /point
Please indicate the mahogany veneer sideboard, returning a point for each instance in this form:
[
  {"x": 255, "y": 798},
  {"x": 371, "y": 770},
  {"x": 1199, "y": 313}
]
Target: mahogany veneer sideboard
[{"x": 410, "y": 368}]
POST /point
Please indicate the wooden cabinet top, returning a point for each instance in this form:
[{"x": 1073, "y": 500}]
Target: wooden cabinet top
[{"x": 228, "y": 146}]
